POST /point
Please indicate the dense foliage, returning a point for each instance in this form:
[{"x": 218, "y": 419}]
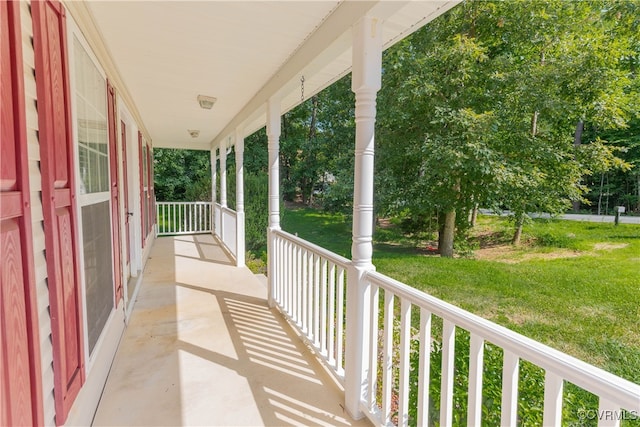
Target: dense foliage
[
  {"x": 494, "y": 110},
  {"x": 182, "y": 175}
]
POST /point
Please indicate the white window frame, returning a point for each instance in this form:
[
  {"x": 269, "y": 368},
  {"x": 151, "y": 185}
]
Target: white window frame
[{"x": 73, "y": 33}]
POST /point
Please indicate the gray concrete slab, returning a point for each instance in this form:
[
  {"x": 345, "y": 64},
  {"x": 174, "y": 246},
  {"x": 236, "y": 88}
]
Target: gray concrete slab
[{"x": 203, "y": 348}]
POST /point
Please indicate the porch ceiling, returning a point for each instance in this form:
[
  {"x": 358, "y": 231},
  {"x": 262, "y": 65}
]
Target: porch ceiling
[{"x": 241, "y": 52}]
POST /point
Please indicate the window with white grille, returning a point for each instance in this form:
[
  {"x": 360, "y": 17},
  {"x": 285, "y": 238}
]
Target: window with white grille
[{"x": 90, "y": 103}]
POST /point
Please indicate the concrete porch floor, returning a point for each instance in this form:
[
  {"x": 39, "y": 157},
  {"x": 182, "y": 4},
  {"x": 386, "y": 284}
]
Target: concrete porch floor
[{"x": 203, "y": 348}]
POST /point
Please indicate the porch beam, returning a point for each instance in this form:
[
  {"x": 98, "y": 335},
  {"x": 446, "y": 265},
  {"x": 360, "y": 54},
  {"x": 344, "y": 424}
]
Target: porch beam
[
  {"x": 366, "y": 82},
  {"x": 273, "y": 136},
  {"x": 240, "y": 227}
]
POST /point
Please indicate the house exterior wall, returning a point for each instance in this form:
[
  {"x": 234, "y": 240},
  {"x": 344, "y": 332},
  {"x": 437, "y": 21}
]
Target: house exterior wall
[{"x": 97, "y": 366}]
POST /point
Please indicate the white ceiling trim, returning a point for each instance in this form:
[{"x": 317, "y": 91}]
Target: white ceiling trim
[{"x": 90, "y": 30}]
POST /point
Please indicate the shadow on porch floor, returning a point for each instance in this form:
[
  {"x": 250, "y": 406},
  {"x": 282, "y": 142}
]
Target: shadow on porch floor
[{"x": 203, "y": 348}]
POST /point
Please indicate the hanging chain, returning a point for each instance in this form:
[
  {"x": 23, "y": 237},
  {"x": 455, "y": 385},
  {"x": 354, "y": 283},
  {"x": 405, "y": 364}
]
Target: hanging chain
[{"x": 302, "y": 88}]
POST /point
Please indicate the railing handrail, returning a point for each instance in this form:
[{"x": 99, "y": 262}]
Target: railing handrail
[
  {"x": 183, "y": 217},
  {"x": 225, "y": 209},
  {"x": 228, "y": 210},
  {"x": 333, "y": 257},
  {"x": 184, "y": 203},
  {"x": 310, "y": 292},
  {"x": 582, "y": 374}
]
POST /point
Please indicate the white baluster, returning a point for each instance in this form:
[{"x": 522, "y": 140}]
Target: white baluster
[
  {"x": 424, "y": 367},
  {"x": 476, "y": 357},
  {"x": 448, "y": 365},
  {"x": 510, "y": 389}
]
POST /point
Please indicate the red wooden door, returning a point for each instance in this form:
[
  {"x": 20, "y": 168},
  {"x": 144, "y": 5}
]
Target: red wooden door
[
  {"x": 20, "y": 380},
  {"x": 59, "y": 201},
  {"x": 127, "y": 216},
  {"x": 115, "y": 196}
]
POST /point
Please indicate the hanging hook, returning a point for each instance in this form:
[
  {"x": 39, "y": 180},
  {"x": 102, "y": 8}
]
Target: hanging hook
[{"x": 302, "y": 88}]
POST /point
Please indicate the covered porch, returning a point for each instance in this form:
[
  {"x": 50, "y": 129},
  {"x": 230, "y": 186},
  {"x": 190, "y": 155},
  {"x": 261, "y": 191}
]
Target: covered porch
[
  {"x": 203, "y": 348},
  {"x": 224, "y": 348}
]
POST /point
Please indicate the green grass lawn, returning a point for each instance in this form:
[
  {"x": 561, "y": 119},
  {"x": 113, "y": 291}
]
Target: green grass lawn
[{"x": 574, "y": 286}]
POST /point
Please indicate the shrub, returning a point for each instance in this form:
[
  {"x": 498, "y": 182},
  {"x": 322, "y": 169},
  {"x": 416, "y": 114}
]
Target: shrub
[{"x": 256, "y": 206}]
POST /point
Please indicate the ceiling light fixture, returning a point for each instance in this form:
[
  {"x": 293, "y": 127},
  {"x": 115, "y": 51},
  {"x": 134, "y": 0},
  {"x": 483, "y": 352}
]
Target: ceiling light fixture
[
  {"x": 206, "y": 102},
  {"x": 193, "y": 132}
]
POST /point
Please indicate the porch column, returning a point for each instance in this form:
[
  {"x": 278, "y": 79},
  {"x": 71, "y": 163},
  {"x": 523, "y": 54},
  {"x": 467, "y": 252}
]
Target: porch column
[
  {"x": 240, "y": 243},
  {"x": 366, "y": 81},
  {"x": 223, "y": 187},
  {"x": 214, "y": 177},
  {"x": 223, "y": 173},
  {"x": 273, "y": 136}
]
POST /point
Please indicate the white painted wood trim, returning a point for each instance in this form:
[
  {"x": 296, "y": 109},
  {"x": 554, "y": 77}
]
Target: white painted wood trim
[
  {"x": 240, "y": 217},
  {"x": 476, "y": 357},
  {"x": 552, "y": 414},
  {"x": 366, "y": 81},
  {"x": 223, "y": 175},
  {"x": 424, "y": 367},
  {"x": 86, "y": 403},
  {"x": 510, "y": 376},
  {"x": 448, "y": 366}
]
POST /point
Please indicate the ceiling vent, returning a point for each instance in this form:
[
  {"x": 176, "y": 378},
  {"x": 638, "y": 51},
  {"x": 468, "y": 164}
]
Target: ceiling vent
[
  {"x": 206, "y": 102},
  {"x": 193, "y": 132}
]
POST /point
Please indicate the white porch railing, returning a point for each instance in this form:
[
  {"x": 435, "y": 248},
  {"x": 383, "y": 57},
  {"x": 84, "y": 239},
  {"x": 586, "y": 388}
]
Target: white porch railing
[
  {"x": 225, "y": 221},
  {"x": 614, "y": 392},
  {"x": 183, "y": 218},
  {"x": 310, "y": 292}
]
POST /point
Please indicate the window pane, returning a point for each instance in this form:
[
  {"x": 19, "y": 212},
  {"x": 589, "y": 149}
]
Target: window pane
[
  {"x": 91, "y": 110},
  {"x": 97, "y": 268}
]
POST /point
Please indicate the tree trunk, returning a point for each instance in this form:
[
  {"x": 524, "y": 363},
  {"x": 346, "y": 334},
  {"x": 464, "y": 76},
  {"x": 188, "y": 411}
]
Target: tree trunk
[
  {"x": 307, "y": 191},
  {"x": 474, "y": 215},
  {"x": 518, "y": 233},
  {"x": 577, "y": 142},
  {"x": 448, "y": 232},
  {"x": 441, "y": 221},
  {"x": 314, "y": 116},
  {"x": 606, "y": 209},
  {"x": 638, "y": 176},
  {"x": 600, "y": 195}
]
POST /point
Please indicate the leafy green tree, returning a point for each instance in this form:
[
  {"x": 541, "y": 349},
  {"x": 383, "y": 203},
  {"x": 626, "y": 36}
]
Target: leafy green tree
[
  {"x": 316, "y": 146},
  {"x": 513, "y": 82},
  {"x": 182, "y": 175},
  {"x": 256, "y": 192},
  {"x": 433, "y": 124}
]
